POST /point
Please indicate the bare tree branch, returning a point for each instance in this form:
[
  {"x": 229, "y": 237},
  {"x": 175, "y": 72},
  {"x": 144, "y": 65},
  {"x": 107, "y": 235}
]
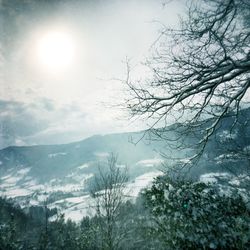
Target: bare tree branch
[{"x": 200, "y": 75}]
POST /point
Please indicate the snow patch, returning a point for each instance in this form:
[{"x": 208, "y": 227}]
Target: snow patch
[
  {"x": 226, "y": 135},
  {"x": 6, "y": 177},
  {"x": 235, "y": 182},
  {"x": 101, "y": 154},
  {"x": 143, "y": 181},
  {"x": 213, "y": 177},
  {"x": 121, "y": 165},
  {"x": 76, "y": 207},
  {"x": 229, "y": 157},
  {"x": 17, "y": 192},
  {"x": 57, "y": 154},
  {"x": 150, "y": 162},
  {"x": 30, "y": 182},
  {"x": 12, "y": 179},
  {"x": 23, "y": 171},
  {"x": 83, "y": 166}
]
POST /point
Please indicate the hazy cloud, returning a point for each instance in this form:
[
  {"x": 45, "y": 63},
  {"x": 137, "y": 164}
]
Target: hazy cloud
[{"x": 37, "y": 108}]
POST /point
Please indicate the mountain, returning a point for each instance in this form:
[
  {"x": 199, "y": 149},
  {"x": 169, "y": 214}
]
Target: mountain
[{"x": 62, "y": 174}]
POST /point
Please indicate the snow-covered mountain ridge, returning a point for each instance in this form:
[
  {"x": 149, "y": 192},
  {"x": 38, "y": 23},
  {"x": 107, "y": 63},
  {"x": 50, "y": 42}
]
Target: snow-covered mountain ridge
[{"x": 62, "y": 174}]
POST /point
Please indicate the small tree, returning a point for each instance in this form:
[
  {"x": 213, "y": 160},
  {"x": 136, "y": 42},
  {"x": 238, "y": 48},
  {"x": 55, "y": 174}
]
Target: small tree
[
  {"x": 8, "y": 234},
  {"x": 108, "y": 193},
  {"x": 191, "y": 215},
  {"x": 44, "y": 237}
]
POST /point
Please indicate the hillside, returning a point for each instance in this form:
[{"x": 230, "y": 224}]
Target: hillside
[{"x": 62, "y": 174}]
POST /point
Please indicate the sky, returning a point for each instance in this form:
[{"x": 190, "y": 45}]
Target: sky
[{"x": 62, "y": 64}]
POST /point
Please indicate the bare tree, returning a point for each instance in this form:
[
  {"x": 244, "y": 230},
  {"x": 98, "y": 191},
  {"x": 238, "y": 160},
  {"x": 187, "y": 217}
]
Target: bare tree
[
  {"x": 108, "y": 193},
  {"x": 199, "y": 71}
]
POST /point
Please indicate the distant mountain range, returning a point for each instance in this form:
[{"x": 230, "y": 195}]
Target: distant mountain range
[{"x": 62, "y": 173}]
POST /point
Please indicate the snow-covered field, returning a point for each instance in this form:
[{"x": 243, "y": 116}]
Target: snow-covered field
[
  {"x": 143, "y": 181},
  {"x": 150, "y": 162},
  {"x": 69, "y": 194}
]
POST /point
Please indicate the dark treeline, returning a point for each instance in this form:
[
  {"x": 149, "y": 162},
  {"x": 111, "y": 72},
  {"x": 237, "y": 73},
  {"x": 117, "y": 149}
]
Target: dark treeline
[{"x": 170, "y": 215}]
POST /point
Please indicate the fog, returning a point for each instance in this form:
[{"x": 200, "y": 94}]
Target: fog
[{"x": 41, "y": 104}]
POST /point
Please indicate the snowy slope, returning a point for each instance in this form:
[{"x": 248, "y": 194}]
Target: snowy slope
[{"x": 62, "y": 174}]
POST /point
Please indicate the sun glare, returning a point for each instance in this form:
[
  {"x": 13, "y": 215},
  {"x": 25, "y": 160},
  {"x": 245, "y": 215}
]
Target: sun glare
[{"x": 55, "y": 50}]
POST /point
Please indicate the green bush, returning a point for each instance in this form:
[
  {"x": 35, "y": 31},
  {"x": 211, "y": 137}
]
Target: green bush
[{"x": 189, "y": 215}]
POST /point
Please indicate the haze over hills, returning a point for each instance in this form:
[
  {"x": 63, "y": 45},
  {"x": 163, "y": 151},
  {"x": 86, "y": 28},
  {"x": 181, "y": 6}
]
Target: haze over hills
[{"x": 62, "y": 174}]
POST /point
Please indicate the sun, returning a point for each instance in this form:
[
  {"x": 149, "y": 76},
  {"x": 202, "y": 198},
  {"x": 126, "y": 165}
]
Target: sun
[{"x": 55, "y": 50}]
